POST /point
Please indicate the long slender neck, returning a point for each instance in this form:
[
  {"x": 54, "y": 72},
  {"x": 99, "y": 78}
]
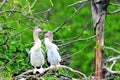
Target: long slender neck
[
  {"x": 51, "y": 39},
  {"x": 35, "y": 37}
]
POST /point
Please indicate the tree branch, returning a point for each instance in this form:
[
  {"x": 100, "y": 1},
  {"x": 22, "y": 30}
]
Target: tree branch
[
  {"x": 9, "y": 62},
  {"x": 113, "y": 72},
  {"x": 114, "y": 50},
  {"x": 10, "y": 11},
  {"x": 114, "y": 12},
  {"x": 26, "y": 74},
  {"x": 117, "y": 43},
  {"x": 77, "y": 51},
  {"x": 78, "y": 40},
  {"x": 113, "y": 59},
  {"x": 67, "y": 39},
  {"x": 118, "y": 5},
  {"x": 60, "y": 27},
  {"x": 78, "y": 2},
  {"x": 3, "y": 3}
]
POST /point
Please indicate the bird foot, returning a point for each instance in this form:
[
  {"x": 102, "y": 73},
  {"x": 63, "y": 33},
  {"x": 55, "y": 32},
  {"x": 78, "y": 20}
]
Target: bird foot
[
  {"x": 35, "y": 70},
  {"x": 41, "y": 70}
]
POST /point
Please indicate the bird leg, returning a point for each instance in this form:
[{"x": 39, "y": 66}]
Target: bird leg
[
  {"x": 35, "y": 70},
  {"x": 41, "y": 70}
]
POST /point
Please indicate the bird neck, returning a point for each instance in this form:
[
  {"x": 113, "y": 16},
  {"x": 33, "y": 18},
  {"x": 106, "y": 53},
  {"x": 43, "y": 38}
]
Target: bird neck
[
  {"x": 36, "y": 39},
  {"x": 48, "y": 42}
]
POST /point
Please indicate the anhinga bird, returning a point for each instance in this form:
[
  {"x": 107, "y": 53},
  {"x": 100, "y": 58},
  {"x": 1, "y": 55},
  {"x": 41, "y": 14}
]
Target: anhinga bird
[
  {"x": 53, "y": 56},
  {"x": 36, "y": 53}
]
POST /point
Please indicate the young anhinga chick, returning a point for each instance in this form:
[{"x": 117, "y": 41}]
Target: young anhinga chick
[
  {"x": 36, "y": 53},
  {"x": 53, "y": 56}
]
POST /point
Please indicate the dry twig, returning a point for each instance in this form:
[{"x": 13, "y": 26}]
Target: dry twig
[
  {"x": 26, "y": 74},
  {"x": 109, "y": 48}
]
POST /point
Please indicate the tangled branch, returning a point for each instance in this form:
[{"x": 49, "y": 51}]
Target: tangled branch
[
  {"x": 110, "y": 69},
  {"x": 45, "y": 70}
]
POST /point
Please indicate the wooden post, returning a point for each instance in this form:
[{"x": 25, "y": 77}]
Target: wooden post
[{"x": 99, "y": 9}]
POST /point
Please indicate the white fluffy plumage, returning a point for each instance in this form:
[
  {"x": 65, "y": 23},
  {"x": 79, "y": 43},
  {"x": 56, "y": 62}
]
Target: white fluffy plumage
[
  {"x": 36, "y": 53},
  {"x": 53, "y": 55}
]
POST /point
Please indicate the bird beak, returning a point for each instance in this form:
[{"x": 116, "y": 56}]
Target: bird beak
[{"x": 38, "y": 29}]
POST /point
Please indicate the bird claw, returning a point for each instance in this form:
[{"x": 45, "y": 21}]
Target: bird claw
[
  {"x": 41, "y": 70},
  {"x": 35, "y": 70}
]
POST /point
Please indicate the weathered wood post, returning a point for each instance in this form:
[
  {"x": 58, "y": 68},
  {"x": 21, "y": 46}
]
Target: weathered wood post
[{"x": 99, "y": 10}]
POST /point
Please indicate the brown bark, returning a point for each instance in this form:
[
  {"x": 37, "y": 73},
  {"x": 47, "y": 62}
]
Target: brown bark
[{"x": 99, "y": 9}]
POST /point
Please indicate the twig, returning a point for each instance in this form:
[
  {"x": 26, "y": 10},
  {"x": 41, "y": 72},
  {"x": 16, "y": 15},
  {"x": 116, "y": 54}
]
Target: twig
[
  {"x": 9, "y": 62},
  {"x": 24, "y": 74},
  {"x": 78, "y": 2},
  {"x": 18, "y": 33},
  {"x": 114, "y": 12},
  {"x": 64, "y": 77},
  {"x": 75, "y": 71},
  {"x": 114, "y": 62},
  {"x": 33, "y": 4},
  {"x": 3, "y": 3},
  {"x": 109, "y": 48},
  {"x": 46, "y": 11},
  {"x": 118, "y": 5},
  {"x": 117, "y": 43},
  {"x": 28, "y": 17},
  {"x": 67, "y": 39},
  {"x": 113, "y": 59},
  {"x": 51, "y": 2},
  {"x": 113, "y": 72},
  {"x": 78, "y": 40},
  {"x": 77, "y": 51},
  {"x": 60, "y": 27},
  {"x": 5, "y": 42},
  {"x": 10, "y": 11}
]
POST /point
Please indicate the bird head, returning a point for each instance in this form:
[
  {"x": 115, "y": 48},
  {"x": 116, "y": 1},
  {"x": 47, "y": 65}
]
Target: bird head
[
  {"x": 37, "y": 29},
  {"x": 49, "y": 35}
]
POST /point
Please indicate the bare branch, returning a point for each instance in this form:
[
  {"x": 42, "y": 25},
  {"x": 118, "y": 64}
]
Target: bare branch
[
  {"x": 26, "y": 74},
  {"x": 118, "y": 5},
  {"x": 117, "y": 43},
  {"x": 3, "y": 3},
  {"x": 114, "y": 62},
  {"x": 33, "y": 4},
  {"x": 18, "y": 33},
  {"x": 114, "y": 50},
  {"x": 67, "y": 39},
  {"x": 75, "y": 71},
  {"x": 51, "y": 2},
  {"x": 114, "y": 12},
  {"x": 9, "y": 62},
  {"x": 113, "y": 72},
  {"x": 77, "y": 51},
  {"x": 78, "y": 2},
  {"x": 113, "y": 59},
  {"x": 60, "y": 27},
  {"x": 10, "y": 11},
  {"x": 78, "y": 40}
]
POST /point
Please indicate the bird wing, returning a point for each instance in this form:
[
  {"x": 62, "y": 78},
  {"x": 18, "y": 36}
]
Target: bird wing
[
  {"x": 29, "y": 53},
  {"x": 55, "y": 46},
  {"x": 57, "y": 51}
]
